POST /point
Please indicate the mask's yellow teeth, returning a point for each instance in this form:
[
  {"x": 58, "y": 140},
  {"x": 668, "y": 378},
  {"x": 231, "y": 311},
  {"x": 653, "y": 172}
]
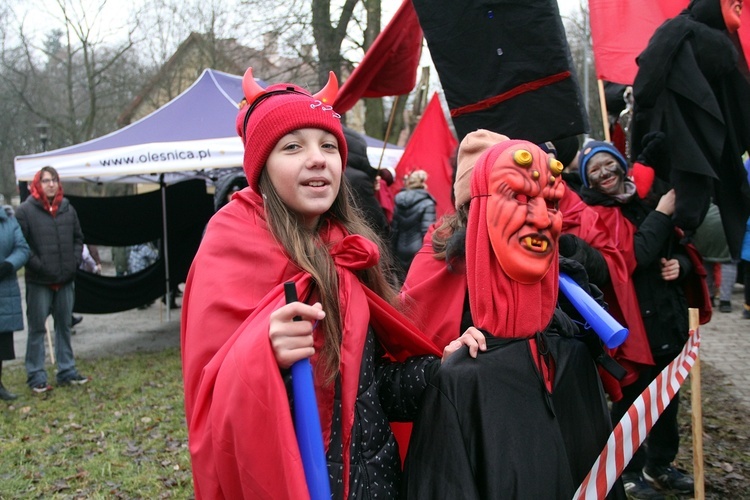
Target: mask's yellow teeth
[{"x": 535, "y": 244}]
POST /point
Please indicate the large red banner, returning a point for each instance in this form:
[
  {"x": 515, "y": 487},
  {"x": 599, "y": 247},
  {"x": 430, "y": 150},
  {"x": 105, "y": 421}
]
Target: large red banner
[{"x": 620, "y": 30}]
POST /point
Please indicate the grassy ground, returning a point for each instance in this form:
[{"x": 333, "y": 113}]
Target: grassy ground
[
  {"x": 726, "y": 437},
  {"x": 121, "y": 436}
]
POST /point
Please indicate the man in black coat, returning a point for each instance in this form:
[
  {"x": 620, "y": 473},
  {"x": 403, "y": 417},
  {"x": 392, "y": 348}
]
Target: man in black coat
[{"x": 51, "y": 227}]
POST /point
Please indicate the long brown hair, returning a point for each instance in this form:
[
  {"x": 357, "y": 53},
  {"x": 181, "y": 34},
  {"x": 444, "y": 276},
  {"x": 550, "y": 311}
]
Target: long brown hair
[
  {"x": 307, "y": 251},
  {"x": 450, "y": 235}
]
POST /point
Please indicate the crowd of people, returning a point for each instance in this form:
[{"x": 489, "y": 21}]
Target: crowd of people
[
  {"x": 44, "y": 235},
  {"x": 454, "y": 325},
  {"x": 525, "y": 395}
]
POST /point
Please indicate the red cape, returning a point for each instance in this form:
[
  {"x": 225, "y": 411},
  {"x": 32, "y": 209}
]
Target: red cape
[
  {"x": 583, "y": 221},
  {"x": 433, "y": 295},
  {"x": 241, "y": 433}
]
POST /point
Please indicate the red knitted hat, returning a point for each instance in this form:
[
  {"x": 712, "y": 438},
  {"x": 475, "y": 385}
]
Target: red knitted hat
[{"x": 281, "y": 109}]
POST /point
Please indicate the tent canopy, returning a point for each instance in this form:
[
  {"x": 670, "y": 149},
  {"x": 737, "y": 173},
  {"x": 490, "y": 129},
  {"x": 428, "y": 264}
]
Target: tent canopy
[{"x": 193, "y": 132}]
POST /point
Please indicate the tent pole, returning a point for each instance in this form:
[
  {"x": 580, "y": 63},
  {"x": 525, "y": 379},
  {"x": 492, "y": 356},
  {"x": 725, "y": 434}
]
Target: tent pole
[{"x": 163, "y": 187}]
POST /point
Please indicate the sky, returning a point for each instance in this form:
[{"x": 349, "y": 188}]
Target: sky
[{"x": 39, "y": 12}]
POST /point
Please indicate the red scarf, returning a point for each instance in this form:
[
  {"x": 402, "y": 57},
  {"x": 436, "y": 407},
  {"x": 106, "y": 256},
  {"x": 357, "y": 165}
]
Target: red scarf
[
  {"x": 240, "y": 426},
  {"x": 429, "y": 287},
  {"x": 38, "y": 193}
]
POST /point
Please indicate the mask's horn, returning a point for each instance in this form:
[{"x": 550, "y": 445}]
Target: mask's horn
[
  {"x": 327, "y": 95},
  {"x": 250, "y": 87}
]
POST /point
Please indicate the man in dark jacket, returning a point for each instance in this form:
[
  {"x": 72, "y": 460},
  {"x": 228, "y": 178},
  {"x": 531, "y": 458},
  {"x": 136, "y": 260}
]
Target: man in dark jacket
[
  {"x": 659, "y": 267},
  {"x": 50, "y": 225}
]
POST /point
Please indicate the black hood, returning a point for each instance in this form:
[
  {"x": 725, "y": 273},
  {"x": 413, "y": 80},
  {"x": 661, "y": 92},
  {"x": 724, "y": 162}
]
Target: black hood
[{"x": 357, "y": 157}]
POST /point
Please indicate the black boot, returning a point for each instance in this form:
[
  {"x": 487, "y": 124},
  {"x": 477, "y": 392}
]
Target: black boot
[{"x": 5, "y": 395}]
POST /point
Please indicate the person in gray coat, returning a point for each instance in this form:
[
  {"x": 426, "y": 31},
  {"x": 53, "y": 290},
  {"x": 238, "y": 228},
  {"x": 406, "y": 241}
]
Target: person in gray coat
[
  {"x": 414, "y": 213},
  {"x": 14, "y": 252},
  {"x": 51, "y": 227}
]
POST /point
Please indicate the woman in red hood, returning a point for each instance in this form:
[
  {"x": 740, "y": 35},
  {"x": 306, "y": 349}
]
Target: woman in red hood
[{"x": 239, "y": 337}]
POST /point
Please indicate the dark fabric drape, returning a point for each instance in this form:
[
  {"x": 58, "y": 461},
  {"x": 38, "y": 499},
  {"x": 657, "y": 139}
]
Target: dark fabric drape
[
  {"x": 129, "y": 220},
  {"x": 505, "y": 66}
]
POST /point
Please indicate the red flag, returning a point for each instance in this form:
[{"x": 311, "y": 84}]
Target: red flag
[
  {"x": 621, "y": 30},
  {"x": 390, "y": 64},
  {"x": 431, "y": 148},
  {"x": 744, "y": 32}
]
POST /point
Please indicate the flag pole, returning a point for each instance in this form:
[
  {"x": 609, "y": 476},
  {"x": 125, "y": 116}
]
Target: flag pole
[
  {"x": 388, "y": 132},
  {"x": 697, "y": 416},
  {"x": 603, "y": 103}
]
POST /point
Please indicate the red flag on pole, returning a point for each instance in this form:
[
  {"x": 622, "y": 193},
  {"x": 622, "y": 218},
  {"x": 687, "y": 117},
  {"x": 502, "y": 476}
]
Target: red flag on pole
[
  {"x": 431, "y": 148},
  {"x": 390, "y": 64},
  {"x": 621, "y": 30}
]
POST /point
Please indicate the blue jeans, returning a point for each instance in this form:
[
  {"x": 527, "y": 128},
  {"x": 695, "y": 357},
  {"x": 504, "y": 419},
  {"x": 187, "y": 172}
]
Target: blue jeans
[
  {"x": 728, "y": 278},
  {"x": 41, "y": 300}
]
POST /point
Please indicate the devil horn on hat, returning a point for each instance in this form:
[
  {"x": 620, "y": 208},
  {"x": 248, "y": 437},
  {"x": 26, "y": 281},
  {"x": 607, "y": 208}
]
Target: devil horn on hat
[
  {"x": 327, "y": 94},
  {"x": 250, "y": 87},
  {"x": 252, "y": 90}
]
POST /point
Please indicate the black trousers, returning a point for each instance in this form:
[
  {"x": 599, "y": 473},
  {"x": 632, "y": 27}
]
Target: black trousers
[{"x": 662, "y": 443}]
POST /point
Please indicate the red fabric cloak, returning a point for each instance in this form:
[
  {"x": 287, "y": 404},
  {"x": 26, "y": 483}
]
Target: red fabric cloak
[
  {"x": 583, "y": 221},
  {"x": 241, "y": 433}
]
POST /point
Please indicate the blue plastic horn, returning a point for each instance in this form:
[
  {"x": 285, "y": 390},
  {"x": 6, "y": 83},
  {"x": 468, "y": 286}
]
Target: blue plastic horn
[
  {"x": 608, "y": 328},
  {"x": 307, "y": 421}
]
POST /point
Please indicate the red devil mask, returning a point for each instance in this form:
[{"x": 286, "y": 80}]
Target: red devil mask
[
  {"x": 511, "y": 239},
  {"x": 522, "y": 217}
]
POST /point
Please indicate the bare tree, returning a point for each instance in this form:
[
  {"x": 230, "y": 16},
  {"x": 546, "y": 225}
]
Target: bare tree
[
  {"x": 578, "y": 32},
  {"x": 75, "y": 78},
  {"x": 74, "y": 81}
]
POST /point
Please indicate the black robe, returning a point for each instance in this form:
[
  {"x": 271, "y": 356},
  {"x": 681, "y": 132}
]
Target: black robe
[
  {"x": 689, "y": 86},
  {"x": 472, "y": 438}
]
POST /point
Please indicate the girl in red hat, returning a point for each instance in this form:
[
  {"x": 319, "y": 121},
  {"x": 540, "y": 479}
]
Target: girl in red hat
[{"x": 239, "y": 338}]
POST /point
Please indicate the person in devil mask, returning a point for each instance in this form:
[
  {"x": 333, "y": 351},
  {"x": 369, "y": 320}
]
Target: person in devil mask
[
  {"x": 527, "y": 418},
  {"x": 691, "y": 121}
]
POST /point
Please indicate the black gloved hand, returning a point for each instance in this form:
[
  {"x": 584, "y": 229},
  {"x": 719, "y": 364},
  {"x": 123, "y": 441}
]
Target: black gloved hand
[
  {"x": 6, "y": 268},
  {"x": 653, "y": 151},
  {"x": 568, "y": 245}
]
